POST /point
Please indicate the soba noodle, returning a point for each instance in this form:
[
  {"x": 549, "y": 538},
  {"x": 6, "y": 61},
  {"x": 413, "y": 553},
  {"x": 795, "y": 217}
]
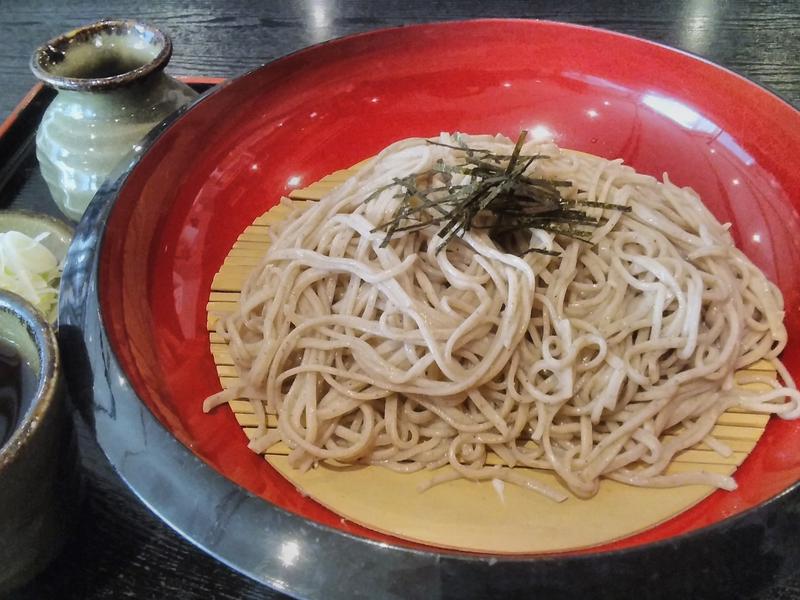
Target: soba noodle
[{"x": 603, "y": 362}]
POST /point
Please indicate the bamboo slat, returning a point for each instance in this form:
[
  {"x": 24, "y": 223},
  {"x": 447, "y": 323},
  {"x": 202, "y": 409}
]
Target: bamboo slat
[{"x": 344, "y": 488}]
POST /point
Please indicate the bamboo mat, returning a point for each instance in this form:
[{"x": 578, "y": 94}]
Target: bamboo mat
[{"x": 485, "y": 516}]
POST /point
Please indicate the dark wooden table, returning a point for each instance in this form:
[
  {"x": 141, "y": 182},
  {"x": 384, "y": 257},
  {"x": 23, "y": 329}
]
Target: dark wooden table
[{"x": 119, "y": 548}]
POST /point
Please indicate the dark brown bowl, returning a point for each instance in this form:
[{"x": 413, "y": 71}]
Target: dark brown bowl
[{"x": 38, "y": 472}]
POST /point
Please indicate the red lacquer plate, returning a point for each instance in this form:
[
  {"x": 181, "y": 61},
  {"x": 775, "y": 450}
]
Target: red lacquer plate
[{"x": 287, "y": 124}]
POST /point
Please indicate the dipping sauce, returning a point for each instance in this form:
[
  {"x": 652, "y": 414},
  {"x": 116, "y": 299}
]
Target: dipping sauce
[{"x": 17, "y": 388}]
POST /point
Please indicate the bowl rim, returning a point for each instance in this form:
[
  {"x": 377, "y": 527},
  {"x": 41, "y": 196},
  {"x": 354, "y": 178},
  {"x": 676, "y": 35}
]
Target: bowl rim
[
  {"x": 80, "y": 307},
  {"x": 43, "y": 337}
]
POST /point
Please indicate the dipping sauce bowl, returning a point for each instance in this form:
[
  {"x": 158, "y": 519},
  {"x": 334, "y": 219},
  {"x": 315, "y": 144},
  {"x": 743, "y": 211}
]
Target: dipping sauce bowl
[{"x": 39, "y": 488}]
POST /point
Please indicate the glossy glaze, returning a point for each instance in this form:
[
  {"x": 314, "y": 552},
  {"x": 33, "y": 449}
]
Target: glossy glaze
[{"x": 180, "y": 209}]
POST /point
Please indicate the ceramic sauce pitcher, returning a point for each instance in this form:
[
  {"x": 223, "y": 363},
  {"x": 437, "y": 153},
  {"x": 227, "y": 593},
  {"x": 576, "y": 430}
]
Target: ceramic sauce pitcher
[{"x": 112, "y": 91}]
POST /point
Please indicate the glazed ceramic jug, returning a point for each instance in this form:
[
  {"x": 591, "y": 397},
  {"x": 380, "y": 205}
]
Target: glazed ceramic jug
[{"x": 112, "y": 91}]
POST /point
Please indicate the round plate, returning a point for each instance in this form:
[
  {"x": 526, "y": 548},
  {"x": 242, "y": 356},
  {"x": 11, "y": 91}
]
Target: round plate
[{"x": 134, "y": 311}]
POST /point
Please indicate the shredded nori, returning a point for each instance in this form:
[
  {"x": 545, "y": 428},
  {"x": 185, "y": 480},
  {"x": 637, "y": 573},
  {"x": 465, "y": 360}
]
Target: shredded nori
[{"x": 498, "y": 188}]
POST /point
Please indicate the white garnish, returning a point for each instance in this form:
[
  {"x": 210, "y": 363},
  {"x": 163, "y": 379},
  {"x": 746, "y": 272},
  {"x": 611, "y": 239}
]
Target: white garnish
[{"x": 30, "y": 270}]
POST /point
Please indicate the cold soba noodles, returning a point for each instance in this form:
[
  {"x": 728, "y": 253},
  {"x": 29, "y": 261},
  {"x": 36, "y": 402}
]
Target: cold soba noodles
[{"x": 472, "y": 303}]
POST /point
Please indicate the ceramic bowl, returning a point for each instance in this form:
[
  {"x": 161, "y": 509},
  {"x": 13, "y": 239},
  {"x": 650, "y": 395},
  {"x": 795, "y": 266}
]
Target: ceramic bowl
[
  {"x": 139, "y": 274},
  {"x": 38, "y": 461}
]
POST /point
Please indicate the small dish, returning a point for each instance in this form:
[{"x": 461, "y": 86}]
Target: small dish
[{"x": 32, "y": 224}]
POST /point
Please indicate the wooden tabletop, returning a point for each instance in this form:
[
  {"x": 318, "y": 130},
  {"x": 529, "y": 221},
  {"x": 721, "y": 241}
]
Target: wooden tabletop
[{"x": 119, "y": 549}]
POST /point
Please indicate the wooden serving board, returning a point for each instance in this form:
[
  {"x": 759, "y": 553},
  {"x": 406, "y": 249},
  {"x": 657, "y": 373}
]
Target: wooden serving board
[{"x": 484, "y": 516}]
